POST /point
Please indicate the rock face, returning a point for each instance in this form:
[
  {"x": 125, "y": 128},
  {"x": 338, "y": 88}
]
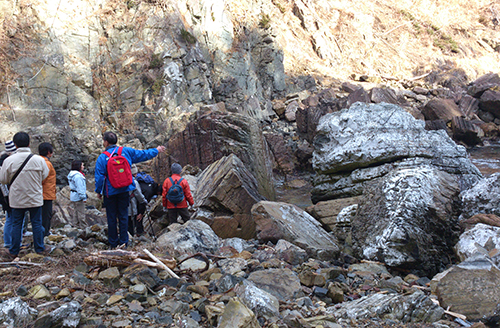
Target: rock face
[
  {"x": 275, "y": 221},
  {"x": 225, "y": 196},
  {"x": 367, "y": 141},
  {"x": 471, "y": 288},
  {"x": 215, "y": 135},
  {"x": 406, "y": 219}
]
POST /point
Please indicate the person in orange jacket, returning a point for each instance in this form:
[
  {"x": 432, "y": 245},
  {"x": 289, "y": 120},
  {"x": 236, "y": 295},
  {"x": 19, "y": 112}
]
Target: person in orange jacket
[
  {"x": 46, "y": 150},
  {"x": 175, "y": 201}
]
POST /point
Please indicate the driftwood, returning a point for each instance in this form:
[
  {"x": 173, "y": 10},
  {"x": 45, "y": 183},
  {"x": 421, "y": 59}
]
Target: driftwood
[
  {"x": 170, "y": 272},
  {"x": 122, "y": 258}
]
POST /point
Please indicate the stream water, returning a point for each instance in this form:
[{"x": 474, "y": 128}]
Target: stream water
[{"x": 486, "y": 158}]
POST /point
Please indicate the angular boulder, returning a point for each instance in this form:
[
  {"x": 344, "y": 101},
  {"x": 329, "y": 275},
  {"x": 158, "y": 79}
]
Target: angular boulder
[
  {"x": 227, "y": 190},
  {"x": 238, "y": 315},
  {"x": 441, "y": 109},
  {"x": 471, "y": 288},
  {"x": 407, "y": 219},
  {"x": 490, "y": 102},
  {"x": 367, "y": 141},
  {"x": 275, "y": 221},
  {"x": 14, "y": 312},
  {"x": 482, "y": 198},
  {"x": 480, "y": 238},
  {"x": 284, "y": 284},
  {"x": 192, "y": 237},
  {"x": 257, "y": 300},
  {"x": 416, "y": 307},
  {"x": 215, "y": 135}
]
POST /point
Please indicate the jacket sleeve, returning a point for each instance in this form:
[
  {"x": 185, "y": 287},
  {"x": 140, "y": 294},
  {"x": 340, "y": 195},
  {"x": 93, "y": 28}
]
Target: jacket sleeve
[
  {"x": 138, "y": 156},
  {"x": 100, "y": 173},
  {"x": 4, "y": 175},
  {"x": 138, "y": 193},
  {"x": 45, "y": 168},
  {"x": 187, "y": 192}
]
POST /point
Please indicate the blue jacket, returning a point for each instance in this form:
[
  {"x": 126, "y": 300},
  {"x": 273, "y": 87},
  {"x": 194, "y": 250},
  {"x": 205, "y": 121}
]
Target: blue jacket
[
  {"x": 78, "y": 186},
  {"x": 102, "y": 185}
]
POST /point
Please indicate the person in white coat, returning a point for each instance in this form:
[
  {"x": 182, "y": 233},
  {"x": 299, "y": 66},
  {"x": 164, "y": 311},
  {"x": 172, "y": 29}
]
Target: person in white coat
[
  {"x": 25, "y": 193},
  {"x": 78, "y": 186}
]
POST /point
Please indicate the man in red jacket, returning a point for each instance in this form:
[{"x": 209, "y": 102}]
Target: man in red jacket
[{"x": 177, "y": 205}]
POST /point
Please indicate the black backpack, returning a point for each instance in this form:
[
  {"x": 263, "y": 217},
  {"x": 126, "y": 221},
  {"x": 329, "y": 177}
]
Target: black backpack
[
  {"x": 175, "y": 193},
  {"x": 148, "y": 189}
]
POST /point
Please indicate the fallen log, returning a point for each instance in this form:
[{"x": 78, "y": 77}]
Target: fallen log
[{"x": 122, "y": 258}]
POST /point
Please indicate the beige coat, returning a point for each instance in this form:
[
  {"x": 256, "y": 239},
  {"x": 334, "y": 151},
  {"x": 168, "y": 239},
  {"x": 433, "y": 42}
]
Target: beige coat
[{"x": 27, "y": 190}]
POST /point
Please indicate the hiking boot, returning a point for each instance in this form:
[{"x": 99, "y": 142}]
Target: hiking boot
[
  {"x": 5, "y": 255},
  {"x": 46, "y": 251}
]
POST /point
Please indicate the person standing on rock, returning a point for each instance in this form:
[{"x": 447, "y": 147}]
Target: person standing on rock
[
  {"x": 113, "y": 182},
  {"x": 24, "y": 172},
  {"x": 176, "y": 199},
  {"x": 46, "y": 150},
  {"x": 137, "y": 207},
  {"x": 78, "y": 186}
]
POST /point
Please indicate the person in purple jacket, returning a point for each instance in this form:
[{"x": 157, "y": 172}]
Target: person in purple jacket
[{"x": 116, "y": 201}]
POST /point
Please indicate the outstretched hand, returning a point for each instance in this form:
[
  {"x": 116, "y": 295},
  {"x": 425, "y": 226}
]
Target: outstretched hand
[{"x": 161, "y": 149}]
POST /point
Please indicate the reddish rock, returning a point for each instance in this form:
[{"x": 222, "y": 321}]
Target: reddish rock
[{"x": 441, "y": 109}]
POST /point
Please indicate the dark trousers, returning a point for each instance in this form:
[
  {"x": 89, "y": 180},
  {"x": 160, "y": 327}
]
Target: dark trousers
[
  {"x": 117, "y": 215},
  {"x": 173, "y": 213},
  {"x": 135, "y": 226},
  {"x": 17, "y": 228},
  {"x": 46, "y": 216}
]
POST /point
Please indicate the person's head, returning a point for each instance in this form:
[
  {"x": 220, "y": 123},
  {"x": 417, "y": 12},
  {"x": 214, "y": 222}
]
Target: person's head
[
  {"x": 109, "y": 138},
  {"x": 21, "y": 139},
  {"x": 10, "y": 147},
  {"x": 77, "y": 165},
  {"x": 176, "y": 168},
  {"x": 134, "y": 170},
  {"x": 45, "y": 149}
]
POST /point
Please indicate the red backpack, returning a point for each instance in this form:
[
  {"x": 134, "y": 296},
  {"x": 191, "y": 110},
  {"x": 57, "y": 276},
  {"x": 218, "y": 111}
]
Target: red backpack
[{"x": 119, "y": 173}]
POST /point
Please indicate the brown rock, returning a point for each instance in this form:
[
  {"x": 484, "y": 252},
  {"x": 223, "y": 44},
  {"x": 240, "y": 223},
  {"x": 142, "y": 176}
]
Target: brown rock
[
  {"x": 283, "y": 154},
  {"x": 490, "y": 102},
  {"x": 465, "y": 131},
  {"x": 213, "y": 136},
  {"x": 309, "y": 279},
  {"x": 326, "y": 212},
  {"x": 441, "y": 109},
  {"x": 489, "y": 219},
  {"x": 335, "y": 292},
  {"x": 471, "y": 288}
]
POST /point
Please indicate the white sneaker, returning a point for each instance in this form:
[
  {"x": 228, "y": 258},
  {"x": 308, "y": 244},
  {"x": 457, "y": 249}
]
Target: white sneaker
[{"x": 28, "y": 233}]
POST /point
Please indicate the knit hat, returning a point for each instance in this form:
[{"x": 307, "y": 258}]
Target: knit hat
[
  {"x": 176, "y": 168},
  {"x": 10, "y": 147},
  {"x": 134, "y": 169}
]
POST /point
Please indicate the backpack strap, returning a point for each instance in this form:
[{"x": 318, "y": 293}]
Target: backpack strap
[
  {"x": 107, "y": 153},
  {"x": 20, "y": 169},
  {"x": 179, "y": 182},
  {"x": 172, "y": 181}
]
